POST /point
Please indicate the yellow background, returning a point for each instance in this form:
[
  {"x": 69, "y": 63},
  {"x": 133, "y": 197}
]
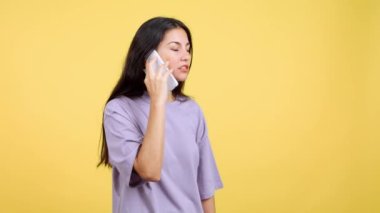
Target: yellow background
[{"x": 290, "y": 90}]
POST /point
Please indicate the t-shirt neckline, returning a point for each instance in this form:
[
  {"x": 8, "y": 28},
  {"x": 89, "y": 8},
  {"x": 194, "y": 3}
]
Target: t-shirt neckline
[{"x": 146, "y": 97}]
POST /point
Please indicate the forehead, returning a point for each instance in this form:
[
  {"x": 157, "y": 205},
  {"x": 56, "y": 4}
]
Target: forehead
[{"x": 177, "y": 35}]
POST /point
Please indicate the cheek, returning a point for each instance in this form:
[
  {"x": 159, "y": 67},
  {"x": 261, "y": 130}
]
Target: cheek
[
  {"x": 167, "y": 57},
  {"x": 172, "y": 63}
]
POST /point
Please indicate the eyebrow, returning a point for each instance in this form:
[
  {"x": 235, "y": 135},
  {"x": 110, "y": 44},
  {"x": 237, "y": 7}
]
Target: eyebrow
[{"x": 176, "y": 42}]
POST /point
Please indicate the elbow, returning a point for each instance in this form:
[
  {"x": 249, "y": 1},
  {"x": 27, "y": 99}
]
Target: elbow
[
  {"x": 153, "y": 178},
  {"x": 148, "y": 172},
  {"x": 150, "y": 176}
]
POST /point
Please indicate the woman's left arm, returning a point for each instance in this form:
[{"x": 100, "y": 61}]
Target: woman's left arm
[{"x": 209, "y": 205}]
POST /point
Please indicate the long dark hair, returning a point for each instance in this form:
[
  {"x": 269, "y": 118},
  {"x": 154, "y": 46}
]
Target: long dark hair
[{"x": 131, "y": 82}]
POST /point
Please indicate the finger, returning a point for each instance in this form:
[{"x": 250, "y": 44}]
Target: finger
[
  {"x": 165, "y": 68},
  {"x": 167, "y": 65},
  {"x": 149, "y": 63},
  {"x": 151, "y": 72},
  {"x": 146, "y": 70},
  {"x": 161, "y": 71},
  {"x": 170, "y": 71},
  {"x": 147, "y": 81}
]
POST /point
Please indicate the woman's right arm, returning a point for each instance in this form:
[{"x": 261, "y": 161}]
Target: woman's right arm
[{"x": 149, "y": 159}]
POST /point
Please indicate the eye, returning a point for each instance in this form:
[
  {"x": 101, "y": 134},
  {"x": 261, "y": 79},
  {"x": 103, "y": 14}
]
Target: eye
[{"x": 176, "y": 50}]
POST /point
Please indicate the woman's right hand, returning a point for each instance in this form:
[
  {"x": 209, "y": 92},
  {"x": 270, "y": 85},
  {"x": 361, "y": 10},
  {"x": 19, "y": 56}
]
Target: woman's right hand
[{"x": 156, "y": 82}]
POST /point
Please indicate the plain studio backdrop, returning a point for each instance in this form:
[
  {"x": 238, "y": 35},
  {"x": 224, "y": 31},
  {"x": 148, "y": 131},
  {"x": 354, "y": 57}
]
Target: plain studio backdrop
[{"x": 290, "y": 91}]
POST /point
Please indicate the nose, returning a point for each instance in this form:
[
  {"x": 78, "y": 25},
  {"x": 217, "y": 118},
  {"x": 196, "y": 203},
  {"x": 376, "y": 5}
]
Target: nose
[{"x": 185, "y": 56}]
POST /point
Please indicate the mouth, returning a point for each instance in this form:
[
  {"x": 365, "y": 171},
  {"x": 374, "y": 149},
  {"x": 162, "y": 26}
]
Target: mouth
[{"x": 184, "y": 68}]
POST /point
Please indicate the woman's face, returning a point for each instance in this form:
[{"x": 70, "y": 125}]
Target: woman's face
[{"x": 175, "y": 48}]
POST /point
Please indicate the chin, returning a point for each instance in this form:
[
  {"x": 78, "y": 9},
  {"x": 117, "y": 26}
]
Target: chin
[{"x": 181, "y": 77}]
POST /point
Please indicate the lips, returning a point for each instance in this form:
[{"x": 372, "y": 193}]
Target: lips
[{"x": 184, "y": 68}]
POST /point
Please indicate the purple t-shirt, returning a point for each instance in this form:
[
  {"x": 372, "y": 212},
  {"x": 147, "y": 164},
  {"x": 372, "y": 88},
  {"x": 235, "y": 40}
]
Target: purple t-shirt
[{"x": 189, "y": 173}]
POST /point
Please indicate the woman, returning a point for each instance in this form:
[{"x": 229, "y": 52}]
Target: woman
[{"x": 154, "y": 139}]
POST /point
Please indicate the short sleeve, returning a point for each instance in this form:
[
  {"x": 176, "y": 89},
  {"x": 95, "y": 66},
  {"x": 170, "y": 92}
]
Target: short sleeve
[
  {"x": 123, "y": 141},
  {"x": 208, "y": 175}
]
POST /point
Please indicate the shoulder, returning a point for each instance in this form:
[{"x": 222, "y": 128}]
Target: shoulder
[
  {"x": 115, "y": 104},
  {"x": 120, "y": 104},
  {"x": 193, "y": 108},
  {"x": 192, "y": 105}
]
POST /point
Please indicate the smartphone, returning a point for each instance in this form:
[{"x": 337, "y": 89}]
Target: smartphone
[{"x": 172, "y": 82}]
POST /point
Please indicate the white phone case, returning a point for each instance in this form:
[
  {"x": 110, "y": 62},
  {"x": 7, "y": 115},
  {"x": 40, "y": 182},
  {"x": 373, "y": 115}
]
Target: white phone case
[{"x": 172, "y": 82}]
